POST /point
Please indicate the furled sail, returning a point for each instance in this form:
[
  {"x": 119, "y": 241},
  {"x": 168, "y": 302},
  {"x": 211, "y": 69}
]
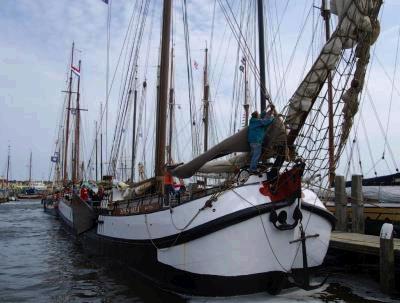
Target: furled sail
[
  {"x": 207, "y": 163},
  {"x": 234, "y": 144}
]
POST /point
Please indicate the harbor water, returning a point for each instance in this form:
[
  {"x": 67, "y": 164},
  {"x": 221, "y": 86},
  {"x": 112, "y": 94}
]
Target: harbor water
[{"x": 40, "y": 262}]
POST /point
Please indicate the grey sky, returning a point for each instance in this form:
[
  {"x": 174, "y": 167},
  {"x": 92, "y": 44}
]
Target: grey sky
[{"x": 36, "y": 37}]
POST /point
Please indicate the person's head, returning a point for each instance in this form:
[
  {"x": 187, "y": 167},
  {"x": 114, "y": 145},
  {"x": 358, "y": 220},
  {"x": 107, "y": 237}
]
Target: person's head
[{"x": 254, "y": 114}]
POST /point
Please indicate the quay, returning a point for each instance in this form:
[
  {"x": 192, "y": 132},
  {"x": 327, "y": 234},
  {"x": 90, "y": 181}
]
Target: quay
[
  {"x": 349, "y": 235},
  {"x": 360, "y": 243}
]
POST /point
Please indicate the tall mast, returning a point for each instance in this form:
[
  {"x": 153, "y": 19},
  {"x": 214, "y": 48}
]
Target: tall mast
[
  {"x": 206, "y": 91},
  {"x": 171, "y": 109},
  {"x": 101, "y": 141},
  {"x": 261, "y": 55},
  {"x": 8, "y": 164},
  {"x": 77, "y": 129},
  {"x": 163, "y": 99},
  {"x": 30, "y": 168},
  {"x": 134, "y": 132},
  {"x": 95, "y": 142},
  {"x": 326, "y": 14},
  {"x": 246, "y": 89},
  {"x": 58, "y": 165},
  {"x": 65, "y": 176}
]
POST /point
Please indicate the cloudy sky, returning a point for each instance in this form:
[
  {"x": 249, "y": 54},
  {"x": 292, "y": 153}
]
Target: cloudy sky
[{"x": 36, "y": 36}]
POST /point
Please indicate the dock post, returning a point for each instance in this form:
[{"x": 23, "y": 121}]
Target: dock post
[
  {"x": 340, "y": 204},
  {"x": 386, "y": 259},
  {"x": 357, "y": 206}
]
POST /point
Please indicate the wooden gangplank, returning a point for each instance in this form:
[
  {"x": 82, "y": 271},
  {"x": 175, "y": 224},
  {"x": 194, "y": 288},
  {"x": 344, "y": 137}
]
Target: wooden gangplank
[{"x": 359, "y": 243}]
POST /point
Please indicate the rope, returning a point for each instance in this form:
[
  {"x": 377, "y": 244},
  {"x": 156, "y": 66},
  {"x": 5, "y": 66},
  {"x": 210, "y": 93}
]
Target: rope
[
  {"x": 265, "y": 231},
  {"x": 391, "y": 94}
]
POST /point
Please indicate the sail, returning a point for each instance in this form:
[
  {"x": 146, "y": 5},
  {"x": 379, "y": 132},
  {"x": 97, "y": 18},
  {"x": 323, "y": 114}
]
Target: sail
[
  {"x": 275, "y": 135},
  {"x": 354, "y": 22},
  {"x": 234, "y": 144}
]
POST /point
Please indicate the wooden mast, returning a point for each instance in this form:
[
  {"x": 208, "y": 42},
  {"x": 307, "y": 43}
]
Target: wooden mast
[
  {"x": 65, "y": 174},
  {"x": 171, "y": 109},
  {"x": 261, "y": 55},
  {"x": 326, "y": 14},
  {"x": 246, "y": 88},
  {"x": 95, "y": 142},
  {"x": 77, "y": 130},
  {"x": 206, "y": 92},
  {"x": 134, "y": 131},
  {"x": 101, "y": 141},
  {"x": 163, "y": 99}
]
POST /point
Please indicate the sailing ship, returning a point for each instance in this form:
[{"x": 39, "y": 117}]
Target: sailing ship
[
  {"x": 34, "y": 190},
  {"x": 249, "y": 233}
]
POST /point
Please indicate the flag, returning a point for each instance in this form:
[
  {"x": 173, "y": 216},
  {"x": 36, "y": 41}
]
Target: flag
[
  {"x": 54, "y": 159},
  {"x": 196, "y": 65},
  {"x": 105, "y": 1},
  {"x": 76, "y": 70}
]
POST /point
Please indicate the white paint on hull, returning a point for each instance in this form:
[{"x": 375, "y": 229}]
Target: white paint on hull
[
  {"x": 253, "y": 246},
  {"x": 248, "y": 247},
  {"x": 162, "y": 223},
  {"x": 66, "y": 212}
]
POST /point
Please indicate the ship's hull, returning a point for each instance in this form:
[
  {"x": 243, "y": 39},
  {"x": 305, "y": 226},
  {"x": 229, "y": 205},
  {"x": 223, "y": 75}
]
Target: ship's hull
[
  {"x": 50, "y": 207},
  {"x": 229, "y": 248},
  {"x": 236, "y": 259},
  {"x": 65, "y": 213}
]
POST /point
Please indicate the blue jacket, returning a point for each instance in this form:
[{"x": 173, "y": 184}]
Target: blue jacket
[{"x": 257, "y": 129}]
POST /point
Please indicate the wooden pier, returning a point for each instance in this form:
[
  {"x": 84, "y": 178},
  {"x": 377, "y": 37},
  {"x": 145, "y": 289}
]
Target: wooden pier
[
  {"x": 359, "y": 243},
  {"x": 385, "y": 247}
]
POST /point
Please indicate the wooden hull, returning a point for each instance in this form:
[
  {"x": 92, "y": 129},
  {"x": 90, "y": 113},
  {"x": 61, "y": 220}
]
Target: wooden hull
[{"x": 376, "y": 215}]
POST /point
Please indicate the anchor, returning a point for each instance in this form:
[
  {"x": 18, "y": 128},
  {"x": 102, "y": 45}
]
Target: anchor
[{"x": 306, "y": 275}]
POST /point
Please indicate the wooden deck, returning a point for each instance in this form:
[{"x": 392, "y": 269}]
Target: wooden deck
[{"x": 360, "y": 243}]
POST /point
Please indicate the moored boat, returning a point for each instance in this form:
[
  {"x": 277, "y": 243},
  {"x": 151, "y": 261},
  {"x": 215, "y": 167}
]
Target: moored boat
[{"x": 246, "y": 234}]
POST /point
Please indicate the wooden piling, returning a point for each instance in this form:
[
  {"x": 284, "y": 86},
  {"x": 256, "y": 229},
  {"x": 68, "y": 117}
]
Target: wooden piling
[
  {"x": 340, "y": 204},
  {"x": 357, "y": 206},
  {"x": 387, "y": 272}
]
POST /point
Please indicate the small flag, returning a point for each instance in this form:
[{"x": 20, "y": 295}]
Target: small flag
[
  {"x": 54, "y": 159},
  {"x": 196, "y": 65},
  {"x": 76, "y": 70},
  {"x": 105, "y": 1}
]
